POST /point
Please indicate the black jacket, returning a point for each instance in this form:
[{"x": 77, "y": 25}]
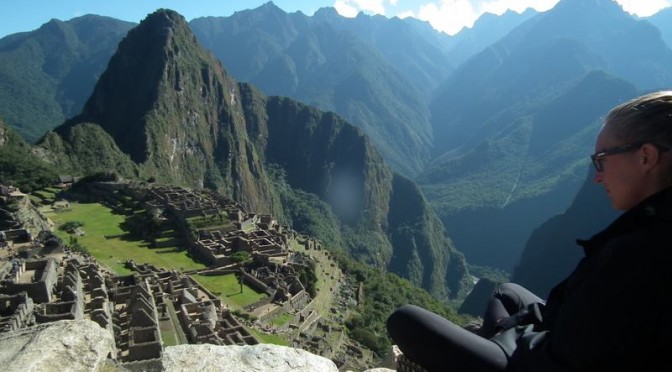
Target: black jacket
[{"x": 615, "y": 309}]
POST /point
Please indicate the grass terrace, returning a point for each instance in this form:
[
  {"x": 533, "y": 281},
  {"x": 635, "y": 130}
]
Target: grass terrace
[
  {"x": 210, "y": 222},
  {"x": 268, "y": 338},
  {"x": 282, "y": 319},
  {"x": 111, "y": 245},
  {"x": 227, "y": 289},
  {"x": 44, "y": 196}
]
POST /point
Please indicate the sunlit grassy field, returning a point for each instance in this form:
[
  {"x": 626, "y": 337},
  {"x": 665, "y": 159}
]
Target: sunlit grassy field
[
  {"x": 268, "y": 338},
  {"x": 227, "y": 288},
  {"x": 282, "y": 319},
  {"x": 106, "y": 240}
]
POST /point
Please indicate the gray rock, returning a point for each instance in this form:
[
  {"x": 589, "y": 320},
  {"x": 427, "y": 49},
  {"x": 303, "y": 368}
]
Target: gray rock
[
  {"x": 66, "y": 345},
  {"x": 82, "y": 345},
  {"x": 262, "y": 357}
]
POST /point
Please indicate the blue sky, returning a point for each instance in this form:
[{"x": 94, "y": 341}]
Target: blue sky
[{"x": 445, "y": 15}]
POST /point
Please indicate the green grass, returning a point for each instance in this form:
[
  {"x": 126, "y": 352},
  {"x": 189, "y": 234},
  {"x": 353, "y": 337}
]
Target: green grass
[
  {"x": 227, "y": 288},
  {"x": 106, "y": 240},
  {"x": 295, "y": 245},
  {"x": 282, "y": 319},
  {"x": 211, "y": 222},
  {"x": 167, "y": 334},
  {"x": 268, "y": 338},
  {"x": 47, "y": 193}
]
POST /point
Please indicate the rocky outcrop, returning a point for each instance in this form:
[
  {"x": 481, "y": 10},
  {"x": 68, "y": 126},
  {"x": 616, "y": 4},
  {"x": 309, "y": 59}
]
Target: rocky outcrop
[
  {"x": 263, "y": 357},
  {"x": 82, "y": 345},
  {"x": 60, "y": 346}
]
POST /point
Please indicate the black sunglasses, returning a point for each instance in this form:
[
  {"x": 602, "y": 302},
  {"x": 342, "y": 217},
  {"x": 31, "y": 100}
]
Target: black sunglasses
[{"x": 599, "y": 156}]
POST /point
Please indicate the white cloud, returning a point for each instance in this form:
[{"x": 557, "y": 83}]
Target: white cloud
[
  {"x": 345, "y": 9},
  {"x": 450, "y": 16},
  {"x": 643, "y": 8},
  {"x": 501, "y": 6},
  {"x": 407, "y": 14}
]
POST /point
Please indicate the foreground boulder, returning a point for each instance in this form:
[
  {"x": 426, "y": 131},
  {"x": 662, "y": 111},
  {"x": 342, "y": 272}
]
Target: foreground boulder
[
  {"x": 262, "y": 357},
  {"x": 82, "y": 345},
  {"x": 66, "y": 345}
]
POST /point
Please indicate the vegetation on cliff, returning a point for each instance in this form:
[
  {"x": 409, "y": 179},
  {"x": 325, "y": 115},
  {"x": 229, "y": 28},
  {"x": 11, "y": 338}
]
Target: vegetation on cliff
[
  {"x": 46, "y": 75},
  {"x": 19, "y": 166}
]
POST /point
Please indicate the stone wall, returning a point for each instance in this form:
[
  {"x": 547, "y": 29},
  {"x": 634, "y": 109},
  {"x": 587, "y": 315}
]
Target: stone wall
[
  {"x": 41, "y": 284},
  {"x": 15, "y": 311}
]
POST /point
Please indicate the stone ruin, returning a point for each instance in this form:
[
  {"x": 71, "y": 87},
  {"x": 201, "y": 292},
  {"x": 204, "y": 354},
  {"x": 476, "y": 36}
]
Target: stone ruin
[
  {"x": 201, "y": 315},
  {"x": 138, "y": 308},
  {"x": 133, "y": 308},
  {"x": 182, "y": 202},
  {"x": 135, "y": 319}
]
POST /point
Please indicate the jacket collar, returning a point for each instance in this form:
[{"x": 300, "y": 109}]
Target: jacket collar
[{"x": 654, "y": 209}]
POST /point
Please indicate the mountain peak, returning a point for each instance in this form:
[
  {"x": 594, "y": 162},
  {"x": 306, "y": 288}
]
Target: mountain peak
[
  {"x": 267, "y": 9},
  {"x": 163, "y": 19},
  {"x": 328, "y": 13},
  {"x": 158, "y": 63},
  {"x": 269, "y": 5}
]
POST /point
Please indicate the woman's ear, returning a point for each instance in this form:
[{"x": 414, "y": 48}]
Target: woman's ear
[{"x": 650, "y": 155}]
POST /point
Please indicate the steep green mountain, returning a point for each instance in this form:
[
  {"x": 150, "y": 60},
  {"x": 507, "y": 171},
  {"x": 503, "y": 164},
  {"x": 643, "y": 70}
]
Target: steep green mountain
[
  {"x": 85, "y": 149},
  {"x": 514, "y": 125},
  {"x": 19, "y": 167},
  {"x": 376, "y": 73},
  {"x": 165, "y": 108},
  {"x": 551, "y": 252},
  {"x": 46, "y": 75}
]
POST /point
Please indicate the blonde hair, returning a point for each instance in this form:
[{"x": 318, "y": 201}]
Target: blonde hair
[{"x": 647, "y": 118}]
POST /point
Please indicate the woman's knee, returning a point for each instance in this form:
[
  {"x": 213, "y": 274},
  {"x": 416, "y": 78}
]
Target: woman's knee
[
  {"x": 514, "y": 296},
  {"x": 510, "y": 288},
  {"x": 402, "y": 317}
]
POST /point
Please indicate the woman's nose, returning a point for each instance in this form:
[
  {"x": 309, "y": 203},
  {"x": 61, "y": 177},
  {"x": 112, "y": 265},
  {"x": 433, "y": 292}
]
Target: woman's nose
[{"x": 598, "y": 177}]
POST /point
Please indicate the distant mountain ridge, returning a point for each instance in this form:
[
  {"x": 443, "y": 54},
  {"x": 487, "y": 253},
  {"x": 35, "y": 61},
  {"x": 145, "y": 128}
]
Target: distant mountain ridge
[
  {"x": 166, "y": 108},
  {"x": 47, "y": 74},
  {"x": 663, "y": 20},
  {"x": 514, "y": 126},
  {"x": 377, "y": 73},
  {"x": 487, "y": 30}
]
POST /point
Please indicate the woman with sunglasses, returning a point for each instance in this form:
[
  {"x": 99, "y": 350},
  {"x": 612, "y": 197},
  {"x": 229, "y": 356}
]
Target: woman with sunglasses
[{"x": 615, "y": 309}]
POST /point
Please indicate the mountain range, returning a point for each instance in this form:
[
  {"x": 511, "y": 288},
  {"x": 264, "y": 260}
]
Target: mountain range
[
  {"x": 493, "y": 125},
  {"x": 47, "y": 74},
  {"x": 166, "y": 109},
  {"x": 515, "y": 124}
]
